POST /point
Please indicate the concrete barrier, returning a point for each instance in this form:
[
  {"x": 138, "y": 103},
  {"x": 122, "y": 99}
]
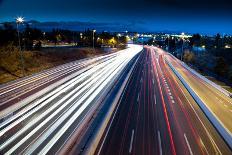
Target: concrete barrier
[
  {"x": 218, "y": 87},
  {"x": 223, "y": 131}
]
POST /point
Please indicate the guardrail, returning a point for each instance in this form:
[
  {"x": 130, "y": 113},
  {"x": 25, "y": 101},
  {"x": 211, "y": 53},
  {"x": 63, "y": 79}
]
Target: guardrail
[{"x": 223, "y": 131}]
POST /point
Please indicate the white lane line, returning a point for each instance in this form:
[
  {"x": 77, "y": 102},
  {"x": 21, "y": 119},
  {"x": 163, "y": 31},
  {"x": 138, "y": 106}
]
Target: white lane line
[
  {"x": 204, "y": 146},
  {"x": 171, "y": 97},
  {"x": 187, "y": 142},
  {"x": 131, "y": 142},
  {"x": 225, "y": 105},
  {"x": 160, "y": 145},
  {"x": 173, "y": 101},
  {"x": 170, "y": 93},
  {"x": 141, "y": 80},
  {"x": 155, "y": 98},
  {"x": 208, "y": 134},
  {"x": 138, "y": 98},
  {"x": 153, "y": 81},
  {"x": 168, "y": 90},
  {"x": 95, "y": 90},
  {"x": 20, "y": 132}
]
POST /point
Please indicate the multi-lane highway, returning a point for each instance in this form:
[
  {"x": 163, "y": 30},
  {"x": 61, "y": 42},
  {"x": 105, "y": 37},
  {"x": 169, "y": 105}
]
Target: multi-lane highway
[
  {"x": 156, "y": 115},
  {"x": 45, "y": 124},
  {"x": 62, "y": 110},
  {"x": 17, "y": 91}
]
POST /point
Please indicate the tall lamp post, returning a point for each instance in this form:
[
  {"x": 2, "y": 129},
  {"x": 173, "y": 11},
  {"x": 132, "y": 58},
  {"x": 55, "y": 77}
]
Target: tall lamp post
[
  {"x": 118, "y": 35},
  {"x": 93, "y": 38},
  {"x": 182, "y": 48},
  {"x": 20, "y": 20},
  {"x": 142, "y": 42}
]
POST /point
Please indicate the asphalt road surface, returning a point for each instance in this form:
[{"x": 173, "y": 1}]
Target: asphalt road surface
[
  {"x": 157, "y": 115},
  {"x": 218, "y": 103},
  {"x": 44, "y": 125}
]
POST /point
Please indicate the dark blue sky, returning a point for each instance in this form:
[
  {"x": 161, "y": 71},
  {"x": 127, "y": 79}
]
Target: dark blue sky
[{"x": 204, "y": 16}]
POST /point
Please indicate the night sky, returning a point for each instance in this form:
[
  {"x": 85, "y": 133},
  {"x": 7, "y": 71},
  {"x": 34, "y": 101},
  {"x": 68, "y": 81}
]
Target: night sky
[{"x": 203, "y": 16}]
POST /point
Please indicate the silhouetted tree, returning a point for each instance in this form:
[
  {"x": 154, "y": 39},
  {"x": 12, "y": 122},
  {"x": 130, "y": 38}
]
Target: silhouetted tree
[
  {"x": 221, "y": 67},
  {"x": 195, "y": 40}
]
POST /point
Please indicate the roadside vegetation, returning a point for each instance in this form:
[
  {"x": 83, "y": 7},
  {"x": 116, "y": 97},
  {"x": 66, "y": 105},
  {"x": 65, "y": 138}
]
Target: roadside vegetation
[
  {"x": 36, "y": 61},
  {"x": 40, "y": 50},
  {"x": 214, "y": 59}
]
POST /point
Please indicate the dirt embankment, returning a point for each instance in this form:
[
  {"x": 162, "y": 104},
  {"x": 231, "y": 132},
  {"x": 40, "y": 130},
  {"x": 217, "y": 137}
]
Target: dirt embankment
[{"x": 36, "y": 61}]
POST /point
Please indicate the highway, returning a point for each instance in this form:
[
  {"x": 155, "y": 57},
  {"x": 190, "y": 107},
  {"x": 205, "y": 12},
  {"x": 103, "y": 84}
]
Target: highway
[
  {"x": 61, "y": 110},
  {"x": 156, "y": 115},
  {"x": 16, "y": 91},
  {"x": 43, "y": 125}
]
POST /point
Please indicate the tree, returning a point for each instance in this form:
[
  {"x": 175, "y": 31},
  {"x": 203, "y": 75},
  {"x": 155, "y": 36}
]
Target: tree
[
  {"x": 218, "y": 41},
  {"x": 195, "y": 40},
  {"x": 221, "y": 67},
  {"x": 230, "y": 73},
  {"x": 8, "y": 34},
  {"x": 189, "y": 57}
]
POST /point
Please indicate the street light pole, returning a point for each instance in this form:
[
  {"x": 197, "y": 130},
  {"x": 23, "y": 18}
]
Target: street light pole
[
  {"x": 93, "y": 38},
  {"x": 142, "y": 42},
  {"x": 20, "y": 20},
  {"x": 182, "y": 48}
]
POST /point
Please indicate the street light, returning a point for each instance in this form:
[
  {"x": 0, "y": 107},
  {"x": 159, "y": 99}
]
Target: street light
[
  {"x": 118, "y": 35},
  {"x": 93, "y": 38},
  {"x": 81, "y": 35},
  {"x": 182, "y": 48},
  {"x": 142, "y": 42},
  {"x": 20, "y": 20}
]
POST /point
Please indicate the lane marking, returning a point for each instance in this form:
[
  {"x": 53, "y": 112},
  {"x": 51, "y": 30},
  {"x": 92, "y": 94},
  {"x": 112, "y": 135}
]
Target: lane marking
[
  {"x": 208, "y": 134},
  {"x": 173, "y": 101},
  {"x": 155, "y": 98},
  {"x": 204, "y": 146},
  {"x": 153, "y": 81},
  {"x": 131, "y": 142},
  {"x": 170, "y": 93},
  {"x": 171, "y": 97},
  {"x": 138, "y": 98},
  {"x": 160, "y": 145},
  {"x": 186, "y": 140}
]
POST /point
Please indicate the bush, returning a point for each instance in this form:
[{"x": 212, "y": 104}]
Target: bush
[{"x": 9, "y": 59}]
